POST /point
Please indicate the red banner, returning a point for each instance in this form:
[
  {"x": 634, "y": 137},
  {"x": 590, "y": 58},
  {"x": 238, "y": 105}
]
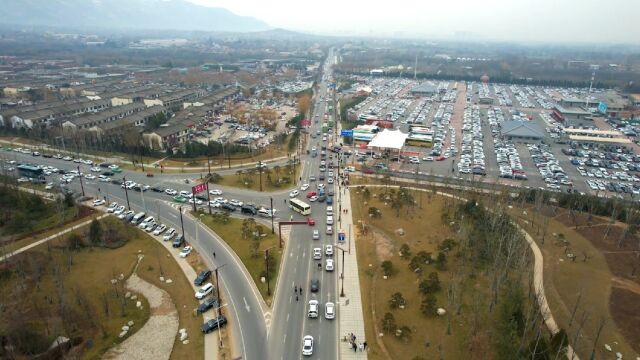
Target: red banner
[{"x": 199, "y": 188}]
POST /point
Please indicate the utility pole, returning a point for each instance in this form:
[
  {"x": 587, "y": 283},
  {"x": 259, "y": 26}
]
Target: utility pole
[
  {"x": 181, "y": 221},
  {"x": 80, "y": 176},
  {"x": 209, "y": 164},
  {"x": 342, "y": 272},
  {"x": 208, "y": 198},
  {"x": 260, "y": 174},
  {"x": 273, "y": 231},
  {"x": 126, "y": 193}
]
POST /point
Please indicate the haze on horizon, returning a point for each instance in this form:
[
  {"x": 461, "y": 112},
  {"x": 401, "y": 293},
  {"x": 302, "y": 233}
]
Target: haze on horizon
[{"x": 563, "y": 21}]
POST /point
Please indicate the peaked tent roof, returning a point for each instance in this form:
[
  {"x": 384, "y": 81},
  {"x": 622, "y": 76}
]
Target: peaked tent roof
[
  {"x": 389, "y": 139},
  {"x": 522, "y": 129}
]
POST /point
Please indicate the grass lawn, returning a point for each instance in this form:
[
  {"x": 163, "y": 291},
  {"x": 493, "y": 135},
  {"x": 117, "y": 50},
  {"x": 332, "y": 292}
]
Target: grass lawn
[
  {"x": 423, "y": 230},
  {"x": 565, "y": 279},
  {"x": 239, "y": 181},
  {"x": 88, "y": 292},
  {"x": 231, "y": 233}
]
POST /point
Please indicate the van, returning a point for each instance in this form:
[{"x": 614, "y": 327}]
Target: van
[
  {"x": 138, "y": 218},
  {"x": 146, "y": 222},
  {"x": 249, "y": 210},
  {"x": 178, "y": 241}
]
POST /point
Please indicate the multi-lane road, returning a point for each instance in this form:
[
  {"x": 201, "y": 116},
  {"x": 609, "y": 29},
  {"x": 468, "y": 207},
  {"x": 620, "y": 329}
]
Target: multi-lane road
[{"x": 259, "y": 332}]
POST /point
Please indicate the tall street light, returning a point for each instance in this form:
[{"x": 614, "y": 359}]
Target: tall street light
[
  {"x": 126, "y": 192},
  {"x": 181, "y": 221}
]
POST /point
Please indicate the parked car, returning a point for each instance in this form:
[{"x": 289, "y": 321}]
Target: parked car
[
  {"x": 169, "y": 234},
  {"x": 205, "y": 290},
  {"x": 203, "y": 276},
  {"x": 214, "y": 324},
  {"x": 186, "y": 251},
  {"x": 207, "y": 304},
  {"x": 178, "y": 241}
]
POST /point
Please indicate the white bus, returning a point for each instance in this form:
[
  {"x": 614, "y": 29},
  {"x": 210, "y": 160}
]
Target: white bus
[{"x": 300, "y": 206}]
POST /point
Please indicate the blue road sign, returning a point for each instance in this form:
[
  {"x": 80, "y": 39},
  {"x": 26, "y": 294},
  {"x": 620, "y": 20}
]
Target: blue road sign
[
  {"x": 341, "y": 236},
  {"x": 602, "y": 108},
  {"x": 346, "y": 133}
]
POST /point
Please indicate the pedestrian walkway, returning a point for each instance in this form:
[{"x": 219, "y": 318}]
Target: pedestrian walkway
[
  {"x": 48, "y": 238},
  {"x": 351, "y": 317}
]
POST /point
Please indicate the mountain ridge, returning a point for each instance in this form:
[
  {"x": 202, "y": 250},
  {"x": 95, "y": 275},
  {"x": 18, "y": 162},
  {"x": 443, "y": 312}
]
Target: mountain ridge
[{"x": 127, "y": 14}]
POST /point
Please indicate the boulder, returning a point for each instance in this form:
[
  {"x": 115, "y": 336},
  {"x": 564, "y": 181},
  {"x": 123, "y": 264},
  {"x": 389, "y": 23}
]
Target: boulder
[
  {"x": 185, "y": 342},
  {"x": 162, "y": 278},
  {"x": 134, "y": 297},
  {"x": 58, "y": 341},
  {"x": 183, "y": 336},
  {"x": 607, "y": 347},
  {"x": 125, "y": 328},
  {"x": 183, "y": 330},
  {"x": 130, "y": 323},
  {"x": 441, "y": 311},
  {"x": 127, "y": 294},
  {"x": 400, "y": 231},
  {"x": 169, "y": 281},
  {"x": 138, "y": 304},
  {"x": 122, "y": 334}
]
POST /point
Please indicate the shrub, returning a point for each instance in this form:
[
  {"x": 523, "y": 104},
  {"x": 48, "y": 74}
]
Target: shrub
[
  {"x": 405, "y": 251},
  {"x": 388, "y": 323},
  {"x": 387, "y": 268},
  {"x": 429, "y": 305},
  {"x": 397, "y": 300},
  {"x": 430, "y": 285}
]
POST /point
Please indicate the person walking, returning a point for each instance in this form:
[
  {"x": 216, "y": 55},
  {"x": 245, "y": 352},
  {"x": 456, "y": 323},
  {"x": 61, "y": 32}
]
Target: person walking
[
  {"x": 364, "y": 345},
  {"x": 296, "y": 297}
]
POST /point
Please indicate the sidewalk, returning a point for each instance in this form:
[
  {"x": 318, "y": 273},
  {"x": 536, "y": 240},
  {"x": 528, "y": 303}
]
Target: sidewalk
[
  {"x": 350, "y": 313},
  {"x": 50, "y": 237}
]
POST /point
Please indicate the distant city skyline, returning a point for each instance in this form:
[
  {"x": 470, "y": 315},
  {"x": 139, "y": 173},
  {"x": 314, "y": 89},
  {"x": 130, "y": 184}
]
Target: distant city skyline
[{"x": 582, "y": 21}]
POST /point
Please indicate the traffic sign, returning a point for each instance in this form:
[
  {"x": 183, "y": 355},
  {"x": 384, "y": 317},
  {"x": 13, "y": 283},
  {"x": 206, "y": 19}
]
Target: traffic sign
[
  {"x": 346, "y": 133},
  {"x": 341, "y": 236},
  {"x": 199, "y": 188}
]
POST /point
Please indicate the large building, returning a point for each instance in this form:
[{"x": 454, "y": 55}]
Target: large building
[
  {"x": 572, "y": 116},
  {"x": 424, "y": 89},
  {"x": 522, "y": 131}
]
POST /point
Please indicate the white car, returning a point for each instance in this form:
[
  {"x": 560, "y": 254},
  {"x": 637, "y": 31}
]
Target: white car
[
  {"x": 313, "y": 198},
  {"x": 95, "y": 169},
  {"x": 205, "y": 290},
  {"x": 89, "y": 177},
  {"x": 169, "y": 234},
  {"x": 112, "y": 207},
  {"x": 316, "y": 234},
  {"x": 125, "y": 214},
  {"x": 197, "y": 201},
  {"x": 105, "y": 179},
  {"x": 304, "y": 187},
  {"x": 98, "y": 202},
  {"x": 160, "y": 229},
  {"x": 215, "y": 192},
  {"x": 328, "y": 250},
  {"x": 294, "y": 193},
  {"x": 170, "y": 192},
  {"x": 119, "y": 210},
  {"x": 49, "y": 186},
  {"x": 427, "y": 158},
  {"x": 329, "y": 265},
  {"x": 317, "y": 253},
  {"x": 330, "y": 311},
  {"x": 329, "y": 210},
  {"x": 313, "y": 309},
  {"x": 185, "y": 251},
  {"x": 307, "y": 345},
  {"x": 114, "y": 166},
  {"x": 186, "y": 194},
  {"x": 235, "y": 202},
  {"x": 67, "y": 158}
]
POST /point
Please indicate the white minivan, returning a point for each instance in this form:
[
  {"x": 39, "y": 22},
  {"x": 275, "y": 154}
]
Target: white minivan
[
  {"x": 146, "y": 222},
  {"x": 136, "y": 219}
]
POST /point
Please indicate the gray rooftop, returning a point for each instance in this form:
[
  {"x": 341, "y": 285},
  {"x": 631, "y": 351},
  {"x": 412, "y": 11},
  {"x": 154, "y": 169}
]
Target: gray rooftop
[{"x": 522, "y": 129}]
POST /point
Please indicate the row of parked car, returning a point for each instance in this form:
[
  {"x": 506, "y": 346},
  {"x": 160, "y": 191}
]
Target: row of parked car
[
  {"x": 150, "y": 225},
  {"x": 472, "y": 159},
  {"x": 548, "y": 166},
  {"x": 509, "y": 163}
]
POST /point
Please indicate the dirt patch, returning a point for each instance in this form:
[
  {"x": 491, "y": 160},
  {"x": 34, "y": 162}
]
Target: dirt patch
[
  {"x": 384, "y": 245},
  {"x": 626, "y": 284},
  {"x": 625, "y": 311}
]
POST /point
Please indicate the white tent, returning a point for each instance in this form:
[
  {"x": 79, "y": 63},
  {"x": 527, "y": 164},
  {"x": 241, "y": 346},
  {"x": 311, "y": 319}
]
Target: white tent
[{"x": 389, "y": 139}]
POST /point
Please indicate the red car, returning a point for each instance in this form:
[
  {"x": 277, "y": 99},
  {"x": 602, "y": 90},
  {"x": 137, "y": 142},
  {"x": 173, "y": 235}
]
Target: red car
[
  {"x": 310, "y": 221},
  {"x": 440, "y": 158},
  {"x": 311, "y": 194}
]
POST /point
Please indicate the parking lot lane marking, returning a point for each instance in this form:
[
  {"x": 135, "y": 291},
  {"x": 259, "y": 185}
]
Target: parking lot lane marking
[{"x": 246, "y": 305}]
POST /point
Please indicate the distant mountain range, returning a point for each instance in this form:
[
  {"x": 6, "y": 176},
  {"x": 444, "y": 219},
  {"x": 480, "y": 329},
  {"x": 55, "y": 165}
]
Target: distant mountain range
[{"x": 126, "y": 14}]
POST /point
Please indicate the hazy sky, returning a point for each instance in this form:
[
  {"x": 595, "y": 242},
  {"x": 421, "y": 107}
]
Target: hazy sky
[{"x": 522, "y": 20}]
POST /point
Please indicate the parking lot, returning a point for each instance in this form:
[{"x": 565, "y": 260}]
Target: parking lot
[{"x": 468, "y": 142}]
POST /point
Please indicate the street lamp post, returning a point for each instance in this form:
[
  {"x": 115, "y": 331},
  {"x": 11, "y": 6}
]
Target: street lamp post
[
  {"x": 266, "y": 261},
  {"x": 181, "y": 221},
  {"x": 126, "y": 192},
  {"x": 342, "y": 272},
  {"x": 80, "y": 176},
  {"x": 273, "y": 231}
]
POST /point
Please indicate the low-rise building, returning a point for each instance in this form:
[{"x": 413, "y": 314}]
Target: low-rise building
[{"x": 166, "y": 137}]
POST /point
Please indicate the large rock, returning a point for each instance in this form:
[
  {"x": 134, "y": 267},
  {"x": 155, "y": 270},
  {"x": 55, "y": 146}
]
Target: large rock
[
  {"x": 125, "y": 328},
  {"x": 130, "y": 323},
  {"x": 139, "y": 304},
  {"x": 441, "y": 311},
  {"x": 183, "y": 336},
  {"x": 400, "y": 231},
  {"x": 122, "y": 334},
  {"x": 127, "y": 294}
]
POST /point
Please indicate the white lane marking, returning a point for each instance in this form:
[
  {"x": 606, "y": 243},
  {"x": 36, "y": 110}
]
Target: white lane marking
[{"x": 246, "y": 305}]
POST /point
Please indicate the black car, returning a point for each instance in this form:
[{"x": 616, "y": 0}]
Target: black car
[
  {"x": 214, "y": 324},
  {"x": 108, "y": 173},
  {"x": 178, "y": 242},
  {"x": 116, "y": 182},
  {"x": 203, "y": 276},
  {"x": 228, "y": 207},
  {"x": 202, "y": 197},
  {"x": 207, "y": 304},
  {"x": 315, "y": 285},
  {"x": 47, "y": 156},
  {"x": 249, "y": 210},
  {"x": 104, "y": 165},
  {"x": 157, "y": 189}
]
